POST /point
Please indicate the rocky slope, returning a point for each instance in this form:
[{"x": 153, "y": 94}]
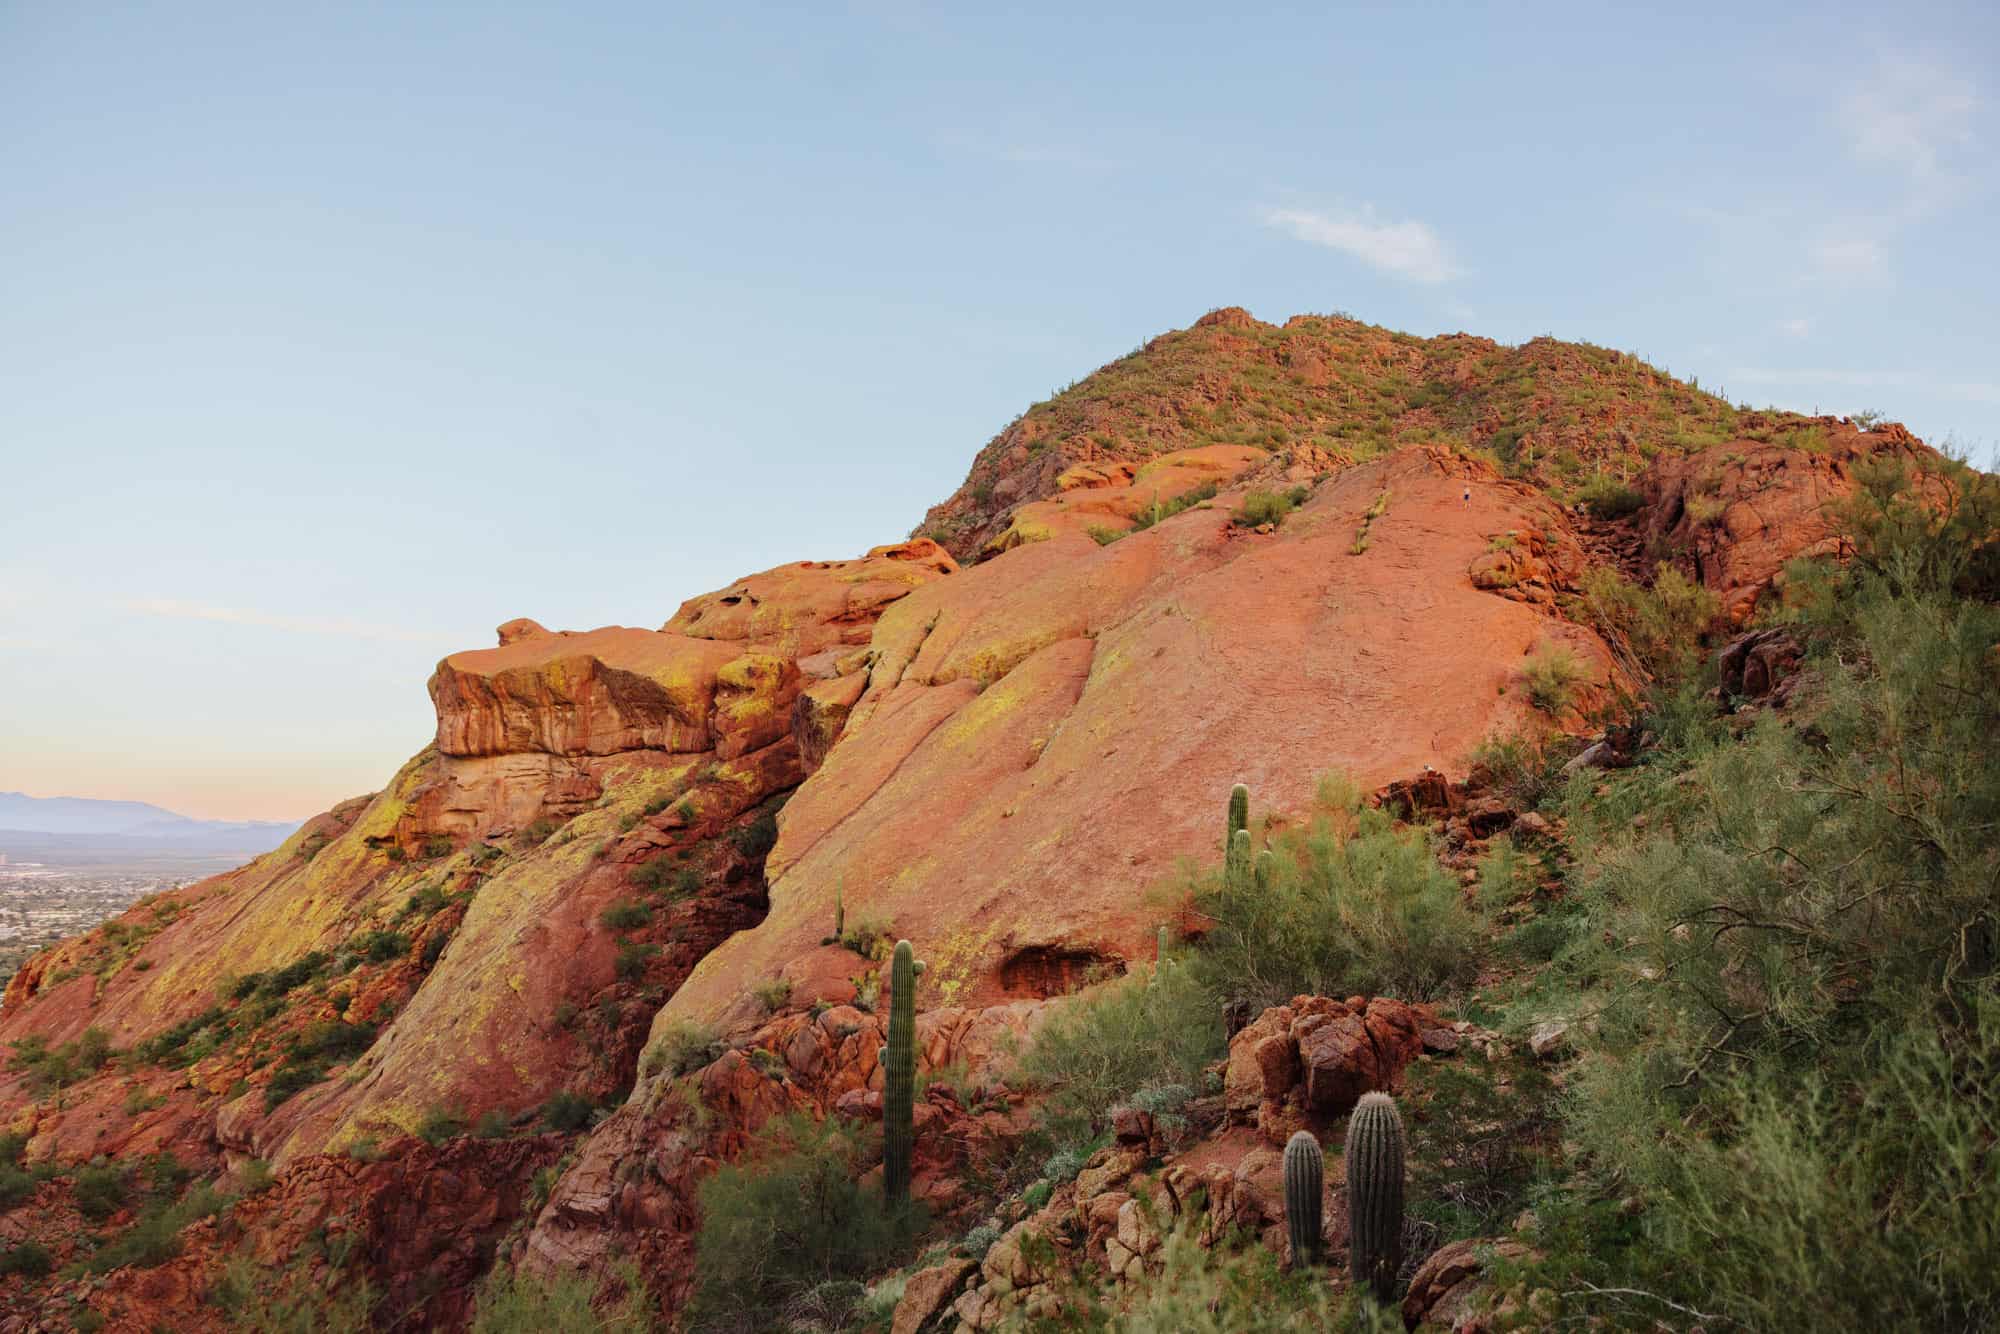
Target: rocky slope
[{"x": 619, "y": 833}]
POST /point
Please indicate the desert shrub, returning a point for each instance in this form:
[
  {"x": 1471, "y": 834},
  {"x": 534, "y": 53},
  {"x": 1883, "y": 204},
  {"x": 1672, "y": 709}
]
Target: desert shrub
[
  {"x": 661, "y": 875},
  {"x": 493, "y": 1123},
  {"x": 379, "y": 946},
  {"x": 1608, "y": 498},
  {"x": 683, "y": 1046},
  {"x": 282, "y": 981},
  {"x": 756, "y": 839},
  {"x": 1353, "y": 905},
  {"x": 568, "y": 1112},
  {"x": 50, "y": 1068},
  {"x": 1161, "y": 510},
  {"x": 773, "y": 993},
  {"x": 154, "y": 1238},
  {"x": 27, "y": 1259},
  {"x": 1521, "y": 769},
  {"x": 633, "y": 956},
  {"x": 17, "y": 1184},
  {"x": 99, "y": 1191},
  {"x": 539, "y": 832},
  {"x": 1221, "y": 1289},
  {"x": 1261, "y": 507},
  {"x": 869, "y": 936},
  {"x": 434, "y": 948},
  {"x": 288, "y": 1081},
  {"x": 786, "y": 1218},
  {"x": 1664, "y": 626},
  {"x": 179, "y": 1045},
  {"x": 1098, "y": 1051},
  {"x": 1795, "y": 975},
  {"x": 511, "y": 1302},
  {"x": 1551, "y": 675},
  {"x": 258, "y": 1301},
  {"x": 626, "y": 915},
  {"x": 311, "y": 846},
  {"x": 424, "y": 902},
  {"x": 440, "y": 1124},
  {"x": 13, "y": 1144}
]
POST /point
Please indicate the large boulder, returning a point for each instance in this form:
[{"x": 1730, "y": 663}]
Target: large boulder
[{"x": 1316, "y": 1056}]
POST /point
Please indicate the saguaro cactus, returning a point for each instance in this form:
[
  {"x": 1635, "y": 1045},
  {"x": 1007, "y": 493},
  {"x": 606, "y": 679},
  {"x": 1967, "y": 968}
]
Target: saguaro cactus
[
  {"x": 1236, "y": 867},
  {"x": 1375, "y": 1193},
  {"x": 1305, "y": 1172},
  {"x": 899, "y": 1078},
  {"x": 1267, "y": 869},
  {"x": 1239, "y": 813}
]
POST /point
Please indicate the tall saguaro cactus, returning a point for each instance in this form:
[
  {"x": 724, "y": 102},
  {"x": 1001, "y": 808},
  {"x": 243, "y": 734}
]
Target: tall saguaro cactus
[
  {"x": 1305, "y": 1175},
  {"x": 899, "y": 1078},
  {"x": 1375, "y": 1193},
  {"x": 1239, "y": 813}
]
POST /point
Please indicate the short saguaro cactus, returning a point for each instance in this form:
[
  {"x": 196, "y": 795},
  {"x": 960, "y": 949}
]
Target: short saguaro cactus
[
  {"x": 1375, "y": 1193},
  {"x": 1305, "y": 1177}
]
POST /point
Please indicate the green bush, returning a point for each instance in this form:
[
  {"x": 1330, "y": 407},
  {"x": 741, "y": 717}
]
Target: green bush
[
  {"x": 1794, "y": 970},
  {"x": 773, "y": 993},
  {"x": 786, "y": 1218},
  {"x": 511, "y": 1302},
  {"x": 379, "y": 946},
  {"x": 441, "y": 1124},
  {"x": 28, "y": 1259},
  {"x": 625, "y": 915},
  {"x": 1161, "y": 510},
  {"x": 1354, "y": 906},
  {"x": 633, "y": 956},
  {"x": 1608, "y": 498},
  {"x": 568, "y": 1112},
  {"x": 1552, "y": 675},
  {"x": 1261, "y": 507},
  {"x": 682, "y": 1047},
  {"x": 755, "y": 840},
  {"x": 1096, "y": 1052},
  {"x": 1664, "y": 626},
  {"x": 99, "y": 1191}
]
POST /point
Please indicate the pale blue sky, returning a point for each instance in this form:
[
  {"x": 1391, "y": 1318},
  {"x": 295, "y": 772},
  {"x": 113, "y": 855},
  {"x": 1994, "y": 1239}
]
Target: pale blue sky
[{"x": 332, "y": 336}]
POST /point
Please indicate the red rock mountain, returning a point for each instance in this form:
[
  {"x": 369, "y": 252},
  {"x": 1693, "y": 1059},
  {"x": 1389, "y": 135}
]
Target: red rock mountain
[{"x": 1241, "y": 553}]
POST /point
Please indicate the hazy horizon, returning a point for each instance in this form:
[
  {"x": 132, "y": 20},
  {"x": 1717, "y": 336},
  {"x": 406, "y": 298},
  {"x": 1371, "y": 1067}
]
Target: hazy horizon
[{"x": 336, "y": 337}]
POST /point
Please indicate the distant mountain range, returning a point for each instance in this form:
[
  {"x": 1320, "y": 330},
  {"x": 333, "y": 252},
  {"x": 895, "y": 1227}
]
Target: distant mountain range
[{"x": 136, "y": 821}]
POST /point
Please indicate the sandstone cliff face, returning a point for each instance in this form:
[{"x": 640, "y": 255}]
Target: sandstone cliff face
[
  {"x": 564, "y": 765},
  {"x": 1074, "y": 715}
]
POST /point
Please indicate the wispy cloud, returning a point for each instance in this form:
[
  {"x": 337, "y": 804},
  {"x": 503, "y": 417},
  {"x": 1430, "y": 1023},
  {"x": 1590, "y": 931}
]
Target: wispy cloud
[
  {"x": 1910, "y": 116},
  {"x": 1406, "y": 249},
  {"x": 309, "y": 625},
  {"x": 1798, "y": 328}
]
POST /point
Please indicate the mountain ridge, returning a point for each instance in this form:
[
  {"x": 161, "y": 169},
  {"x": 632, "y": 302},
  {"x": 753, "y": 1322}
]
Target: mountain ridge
[
  {"x": 999, "y": 738},
  {"x": 21, "y": 813}
]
